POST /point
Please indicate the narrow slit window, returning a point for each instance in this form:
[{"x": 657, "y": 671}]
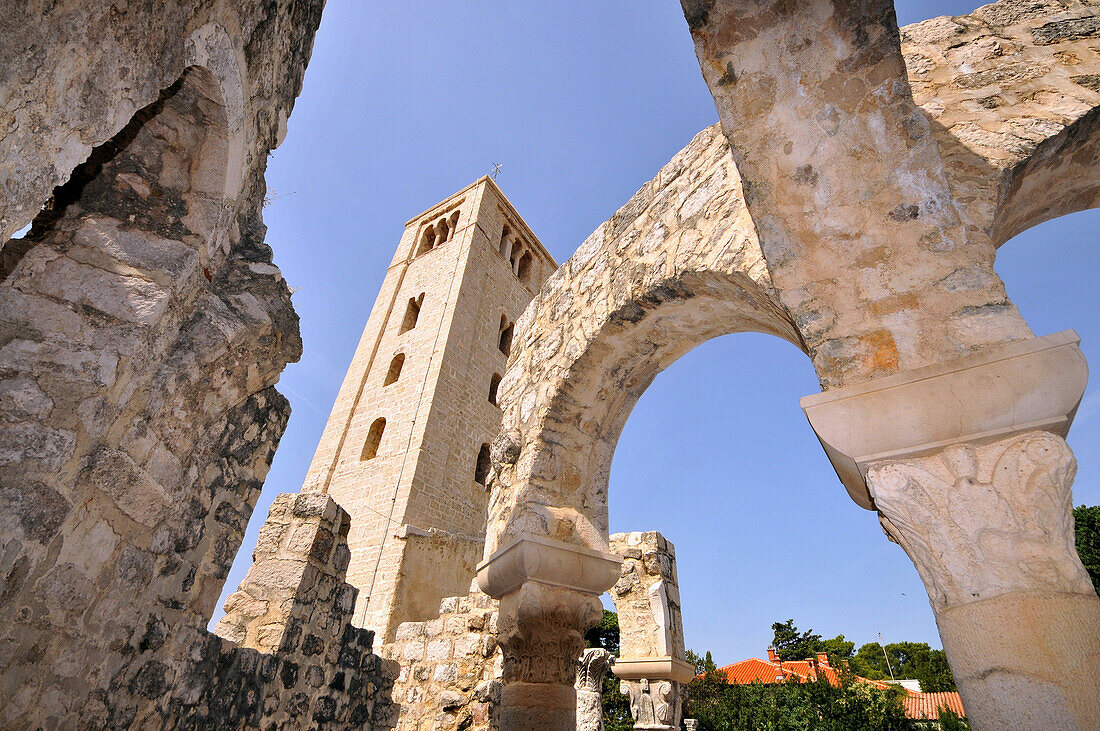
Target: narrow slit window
[
  {"x": 412, "y": 313},
  {"x": 481, "y": 469},
  {"x": 494, "y": 384},
  {"x": 523, "y": 270},
  {"x": 374, "y": 439},
  {"x": 395, "y": 369},
  {"x": 506, "y": 328}
]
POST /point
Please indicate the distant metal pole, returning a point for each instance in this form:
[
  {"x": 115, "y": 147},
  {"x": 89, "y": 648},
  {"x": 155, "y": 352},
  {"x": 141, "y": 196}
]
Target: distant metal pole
[{"x": 880, "y": 644}]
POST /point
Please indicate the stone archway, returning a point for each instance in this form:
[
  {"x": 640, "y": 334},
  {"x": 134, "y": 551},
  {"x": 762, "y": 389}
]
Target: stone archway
[
  {"x": 879, "y": 185},
  {"x": 678, "y": 265}
]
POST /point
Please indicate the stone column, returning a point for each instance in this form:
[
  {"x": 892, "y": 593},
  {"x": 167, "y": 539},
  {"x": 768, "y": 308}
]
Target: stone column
[
  {"x": 549, "y": 596},
  {"x": 968, "y": 469},
  {"x": 589, "y": 685},
  {"x": 647, "y": 597}
]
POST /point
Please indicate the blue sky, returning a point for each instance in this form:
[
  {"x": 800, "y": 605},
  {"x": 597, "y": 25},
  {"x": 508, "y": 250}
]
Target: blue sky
[{"x": 582, "y": 102}]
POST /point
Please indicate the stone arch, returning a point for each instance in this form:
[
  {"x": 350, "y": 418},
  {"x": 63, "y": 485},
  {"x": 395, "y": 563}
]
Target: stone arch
[
  {"x": 632, "y": 300},
  {"x": 1059, "y": 178}
]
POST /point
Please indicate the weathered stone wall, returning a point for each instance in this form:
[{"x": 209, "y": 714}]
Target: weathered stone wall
[
  {"x": 918, "y": 152},
  {"x": 142, "y": 327},
  {"x": 291, "y": 657},
  {"x": 450, "y": 667}
]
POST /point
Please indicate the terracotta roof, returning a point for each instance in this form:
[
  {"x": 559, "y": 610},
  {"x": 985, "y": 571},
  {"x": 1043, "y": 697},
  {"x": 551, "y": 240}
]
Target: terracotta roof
[
  {"x": 755, "y": 670},
  {"x": 928, "y": 705}
]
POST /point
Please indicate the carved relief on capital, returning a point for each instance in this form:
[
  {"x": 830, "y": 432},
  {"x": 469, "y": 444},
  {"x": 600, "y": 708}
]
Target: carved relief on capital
[
  {"x": 653, "y": 705},
  {"x": 983, "y": 520},
  {"x": 589, "y": 685},
  {"x": 591, "y": 668},
  {"x": 541, "y": 632}
]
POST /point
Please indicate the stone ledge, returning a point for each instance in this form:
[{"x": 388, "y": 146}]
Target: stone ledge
[
  {"x": 547, "y": 561},
  {"x": 1022, "y": 386},
  {"x": 653, "y": 668}
]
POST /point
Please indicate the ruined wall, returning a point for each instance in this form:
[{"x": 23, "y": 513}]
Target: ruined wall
[
  {"x": 647, "y": 596},
  {"x": 651, "y": 660},
  {"x": 291, "y": 657},
  {"x": 450, "y": 667},
  {"x": 142, "y": 327}
]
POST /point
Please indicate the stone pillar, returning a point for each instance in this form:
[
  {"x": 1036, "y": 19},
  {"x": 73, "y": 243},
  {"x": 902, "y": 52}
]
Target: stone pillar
[
  {"x": 589, "y": 686},
  {"x": 296, "y": 576},
  {"x": 651, "y": 633},
  {"x": 967, "y": 467},
  {"x": 549, "y": 596}
]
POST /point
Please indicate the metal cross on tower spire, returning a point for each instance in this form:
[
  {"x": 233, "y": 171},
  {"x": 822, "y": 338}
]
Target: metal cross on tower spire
[{"x": 496, "y": 170}]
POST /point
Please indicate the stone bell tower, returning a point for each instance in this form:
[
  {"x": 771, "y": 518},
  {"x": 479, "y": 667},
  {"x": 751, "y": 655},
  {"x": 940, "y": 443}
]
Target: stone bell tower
[{"x": 406, "y": 447}]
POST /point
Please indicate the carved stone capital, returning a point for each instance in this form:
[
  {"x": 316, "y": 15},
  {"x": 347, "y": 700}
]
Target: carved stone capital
[
  {"x": 982, "y": 520},
  {"x": 591, "y": 668},
  {"x": 654, "y": 706},
  {"x": 541, "y": 632},
  {"x": 589, "y": 685},
  {"x": 1018, "y": 387}
]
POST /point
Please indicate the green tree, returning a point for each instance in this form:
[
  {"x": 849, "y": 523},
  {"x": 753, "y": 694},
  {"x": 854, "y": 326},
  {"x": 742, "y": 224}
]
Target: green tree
[
  {"x": 701, "y": 664},
  {"x": 951, "y": 721},
  {"x": 907, "y": 660},
  {"x": 719, "y": 705},
  {"x": 839, "y": 650},
  {"x": 1086, "y": 522},
  {"x": 794, "y": 645},
  {"x": 790, "y": 644},
  {"x": 605, "y": 634}
]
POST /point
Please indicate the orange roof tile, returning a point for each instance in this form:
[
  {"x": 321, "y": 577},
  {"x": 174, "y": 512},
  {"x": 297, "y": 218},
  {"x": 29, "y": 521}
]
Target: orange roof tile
[
  {"x": 755, "y": 670},
  {"x": 928, "y": 705}
]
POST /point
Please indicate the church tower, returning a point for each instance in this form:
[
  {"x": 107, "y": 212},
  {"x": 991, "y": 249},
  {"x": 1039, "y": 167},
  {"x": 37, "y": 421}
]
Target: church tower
[{"x": 406, "y": 448}]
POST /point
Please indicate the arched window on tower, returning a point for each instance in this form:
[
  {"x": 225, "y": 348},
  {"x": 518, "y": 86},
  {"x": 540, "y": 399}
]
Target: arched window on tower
[
  {"x": 481, "y": 469},
  {"x": 505, "y": 242},
  {"x": 453, "y": 221},
  {"x": 523, "y": 269},
  {"x": 374, "y": 439},
  {"x": 395, "y": 369},
  {"x": 518, "y": 249},
  {"x": 505, "y": 342},
  {"x": 412, "y": 314},
  {"x": 494, "y": 384},
  {"x": 427, "y": 240},
  {"x": 442, "y": 231}
]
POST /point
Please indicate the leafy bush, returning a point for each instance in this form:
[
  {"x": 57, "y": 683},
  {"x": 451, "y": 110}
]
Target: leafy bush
[{"x": 721, "y": 706}]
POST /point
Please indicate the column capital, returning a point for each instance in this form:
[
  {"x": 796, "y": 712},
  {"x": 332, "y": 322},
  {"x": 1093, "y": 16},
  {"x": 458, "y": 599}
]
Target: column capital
[
  {"x": 1022, "y": 386},
  {"x": 531, "y": 558},
  {"x": 653, "y": 668}
]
